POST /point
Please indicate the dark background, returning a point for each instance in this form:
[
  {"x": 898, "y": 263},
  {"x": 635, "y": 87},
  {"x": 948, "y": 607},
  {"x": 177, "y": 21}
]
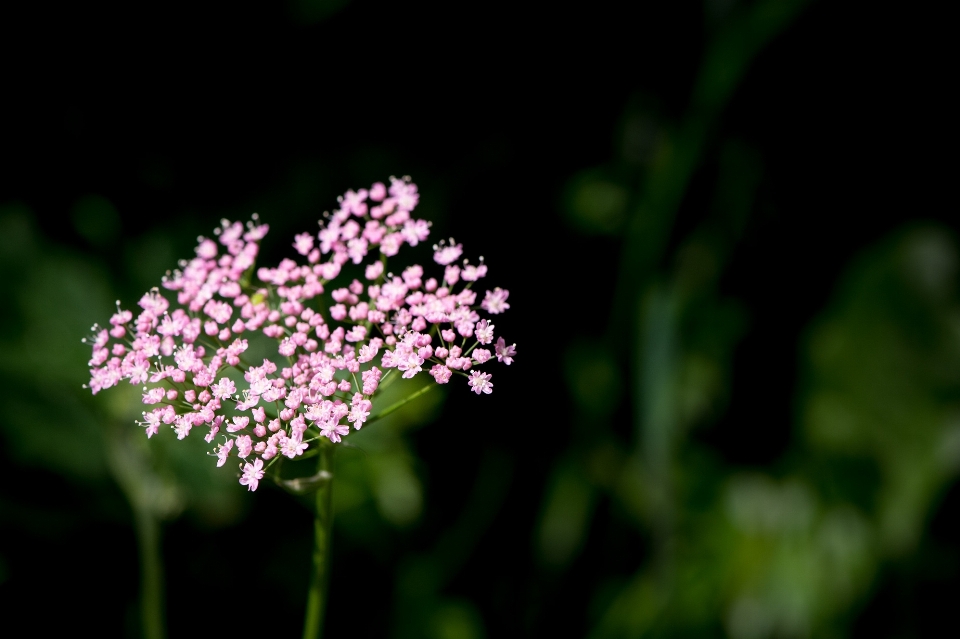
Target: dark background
[{"x": 735, "y": 175}]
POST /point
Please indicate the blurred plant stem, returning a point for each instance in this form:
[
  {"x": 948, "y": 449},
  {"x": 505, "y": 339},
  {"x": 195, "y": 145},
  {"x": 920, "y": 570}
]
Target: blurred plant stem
[
  {"x": 648, "y": 303},
  {"x": 724, "y": 64},
  {"x": 657, "y": 419},
  {"x": 322, "y": 532},
  {"x": 131, "y": 470},
  {"x": 151, "y": 573}
]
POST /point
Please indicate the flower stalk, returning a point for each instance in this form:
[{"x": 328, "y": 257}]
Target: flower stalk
[
  {"x": 151, "y": 572},
  {"x": 343, "y": 326},
  {"x": 322, "y": 539}
]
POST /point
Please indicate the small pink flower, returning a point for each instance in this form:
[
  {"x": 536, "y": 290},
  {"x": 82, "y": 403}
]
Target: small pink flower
[
  {"x": 250, "y": 400},
  {"x": 151, "y": 421},
  {"x": 480, "y": 382},
  {"x": 244, "y": 445},
  {"x": 239, "y": 423},
  {"x": 371, "y": 379},
  {"x": 472, "y": 273},
  {"x": 373, "y": 270},
  {"x": 444, "y": 255},
  {"x": 207, "y": 249},
  {"x": 226, "y": 388},
  {"x": 334, "y": 432},
  {"x": 415, "y": 231},
  {"x": 412, "y": 276},
  {"x": 441, "y": 373},
  {"x": 356, "y": 334},
  {"x": 465, "y": 329},
  {"x": 484, "y": 332},
  {"x": 214, "y": 429},
  {"x": 359, "y": 411},
  {"x": 153, "y": 395},
  {"x": 252, "y": 474},
  {"x": 292, "y": 447},
  {"x": 481, "y": 355},
  {"x": 495, "y": 301},
  {"x": 303, "y": 243},
  {"x": 451, "y": 275},
  {"x": 287, "y": 347},
  {"x": 223, "y": 452},
  {"x": 390, "y": 244},
  {"x": 505, "y": 353},
  {"x": 367, "y": 353},
  {"x": 121, "y": 317}
]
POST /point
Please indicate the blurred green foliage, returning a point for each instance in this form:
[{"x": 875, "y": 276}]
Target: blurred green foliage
[
  {"x": 787, "y": 551},
  {"x": 791, "y": 551}
]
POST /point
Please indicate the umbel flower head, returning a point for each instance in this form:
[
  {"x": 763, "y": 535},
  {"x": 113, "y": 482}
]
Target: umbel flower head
[{"x": 330, "y": 358}]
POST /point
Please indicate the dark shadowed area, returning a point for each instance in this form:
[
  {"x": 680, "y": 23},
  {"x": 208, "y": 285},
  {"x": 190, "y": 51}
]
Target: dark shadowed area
[{"x": 735, "y": 406}]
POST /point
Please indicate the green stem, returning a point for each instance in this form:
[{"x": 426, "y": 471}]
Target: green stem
[
  {"x": 389, "y": 409},
  {"x": 322, "y": 531},
  {"x": 151, "y": 572},
  {"x": 131, "y": 466}
]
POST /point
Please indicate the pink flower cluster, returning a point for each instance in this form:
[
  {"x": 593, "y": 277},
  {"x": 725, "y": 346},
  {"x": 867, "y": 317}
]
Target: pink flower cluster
[{"x": 189, "y": 356}]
